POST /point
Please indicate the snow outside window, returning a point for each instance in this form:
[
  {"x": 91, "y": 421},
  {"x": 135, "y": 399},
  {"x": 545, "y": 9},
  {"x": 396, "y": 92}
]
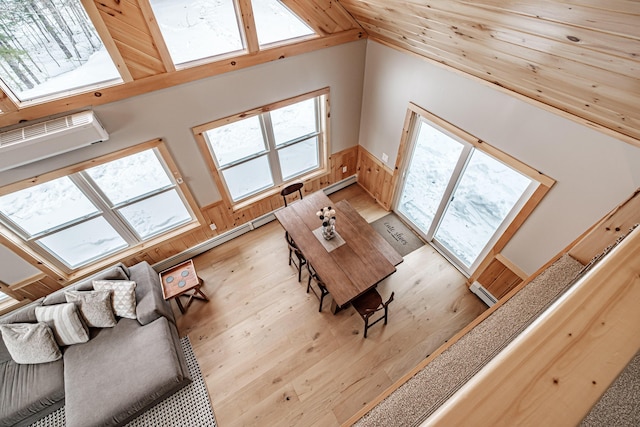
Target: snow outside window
[
  {"x": 196, "y": 29},
  {"x": 89, "y": 215},
  {"x": 268, "y": 149},
  {"x": 49, "y": 48},
  {"x": 275, "y": 23}
]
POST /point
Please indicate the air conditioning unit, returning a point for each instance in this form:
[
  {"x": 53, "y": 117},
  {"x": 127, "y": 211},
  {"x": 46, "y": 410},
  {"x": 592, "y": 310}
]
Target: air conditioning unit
[{"x": 38, "y": 141}]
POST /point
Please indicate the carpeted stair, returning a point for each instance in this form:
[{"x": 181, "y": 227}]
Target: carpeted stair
[{"x": 420, "y": 396}]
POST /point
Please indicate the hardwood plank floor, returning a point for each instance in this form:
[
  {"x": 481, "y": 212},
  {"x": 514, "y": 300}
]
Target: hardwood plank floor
[{"x": 270, "y": 358}]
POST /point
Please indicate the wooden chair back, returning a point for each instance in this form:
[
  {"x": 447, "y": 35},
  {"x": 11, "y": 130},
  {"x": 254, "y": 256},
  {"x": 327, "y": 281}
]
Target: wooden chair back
[
  {"x": 370, "y": 303},
  {"x": 290, "y": 189}
]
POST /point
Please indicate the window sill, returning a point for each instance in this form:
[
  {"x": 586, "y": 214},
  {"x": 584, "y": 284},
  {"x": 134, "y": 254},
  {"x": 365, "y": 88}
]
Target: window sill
[{"x": 276, "y": 190}]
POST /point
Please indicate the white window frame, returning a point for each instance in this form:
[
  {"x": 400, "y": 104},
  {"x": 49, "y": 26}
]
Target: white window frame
[
  {"x": 85, "y": 184},
  {"x": 271, "y": 150},
  {"x": 415, "y": 117}
]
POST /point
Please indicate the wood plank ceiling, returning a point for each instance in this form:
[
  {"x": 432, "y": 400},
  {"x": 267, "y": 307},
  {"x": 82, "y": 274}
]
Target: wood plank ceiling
[{"x": 579, "y": 56}]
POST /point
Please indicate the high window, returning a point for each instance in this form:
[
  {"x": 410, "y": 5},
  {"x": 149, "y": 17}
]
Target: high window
[
  {"x": 50, "y": 48},
  {"x": 258, "y": 150},
  {"x": 275, "y": 23},
  {"x": 194, "y": 30},
  {"x": 88, "y": 215}
]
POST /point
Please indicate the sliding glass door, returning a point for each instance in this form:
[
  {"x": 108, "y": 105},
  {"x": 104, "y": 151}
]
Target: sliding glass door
[{"x": 457, "y": 197}]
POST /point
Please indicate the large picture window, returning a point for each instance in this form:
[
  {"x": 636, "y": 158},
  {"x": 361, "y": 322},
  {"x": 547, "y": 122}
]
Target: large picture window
[
  {"x": 99, "y": 211},
  {"x": 255, "y": 151}
]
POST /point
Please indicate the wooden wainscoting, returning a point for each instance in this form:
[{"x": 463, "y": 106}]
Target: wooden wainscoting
[
  {"x": 376, "y": 178},
  {"x": 224, "y": 217},
  {"x": 501, "y": 276}
]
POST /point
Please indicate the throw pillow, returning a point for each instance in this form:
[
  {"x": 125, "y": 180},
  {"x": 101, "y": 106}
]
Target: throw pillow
[
  {"x": 95, "y": 307},
  {"x": 123, "y": 299},
  {"x": 30, "y": 343},
  {"x": 65, "y": 323}
]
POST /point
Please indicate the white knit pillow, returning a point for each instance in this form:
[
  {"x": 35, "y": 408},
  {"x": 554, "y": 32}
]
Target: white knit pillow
[
  {"x": 65, "y": 323},
  {"x": 123, "y": 298},
  {"x": 30, "y": 343},
  {"x": 95, "y": 307}
]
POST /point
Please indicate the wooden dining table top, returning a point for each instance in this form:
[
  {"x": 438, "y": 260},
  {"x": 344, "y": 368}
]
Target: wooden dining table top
[{"x": 351, "y": 268}]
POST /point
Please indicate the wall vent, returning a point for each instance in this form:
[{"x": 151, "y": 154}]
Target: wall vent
[
  {"x": 484, "y": 294},
  {"x": 38, "y": 141}
]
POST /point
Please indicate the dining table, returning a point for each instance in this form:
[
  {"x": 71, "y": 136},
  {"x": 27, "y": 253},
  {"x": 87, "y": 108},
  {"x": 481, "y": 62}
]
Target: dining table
[{"x": 354, "y": 261}]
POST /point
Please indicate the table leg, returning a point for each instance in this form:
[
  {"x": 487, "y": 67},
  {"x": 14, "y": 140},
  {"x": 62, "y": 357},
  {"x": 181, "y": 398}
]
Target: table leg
[{"x": 179, "y": 304}]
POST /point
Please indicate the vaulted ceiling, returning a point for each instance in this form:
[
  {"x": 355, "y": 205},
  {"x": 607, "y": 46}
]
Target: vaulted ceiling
[{"x": 579, "y": 57}]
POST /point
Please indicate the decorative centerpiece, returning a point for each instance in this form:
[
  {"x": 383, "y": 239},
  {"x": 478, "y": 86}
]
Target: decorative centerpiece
[{"x": 328, "y": 217}]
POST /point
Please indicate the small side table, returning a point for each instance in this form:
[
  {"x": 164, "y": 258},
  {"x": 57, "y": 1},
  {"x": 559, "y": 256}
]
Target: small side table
[{"x": 182, "y": 280}]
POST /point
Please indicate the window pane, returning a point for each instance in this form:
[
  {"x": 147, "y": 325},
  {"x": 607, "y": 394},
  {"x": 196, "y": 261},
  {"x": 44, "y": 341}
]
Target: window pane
[
  {"x": 130, "y": 177},
  {"x": 84, "y": 242},
  {"x": 299, "y": 158},
  {"x": 236, "y": 141},
  {"x": 485, "y": 195},
  {"x": 3, "y": 296},
  {"x": 274, "y": 22},
  {"x": 50, "y": 47},
  {"x": 434, "y": 158},
  {"x": 248, "y": 178},
  {"x": 46, "y": 206},
  {"x": 294, "y": 121},
  {"x": 196, "y": 29},
  {"x": 156, "y": 214}
]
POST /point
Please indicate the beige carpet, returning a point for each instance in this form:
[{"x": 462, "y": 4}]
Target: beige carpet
[
  {"x": 419, "y": 397},
  {"x": 620, "y": 405}
]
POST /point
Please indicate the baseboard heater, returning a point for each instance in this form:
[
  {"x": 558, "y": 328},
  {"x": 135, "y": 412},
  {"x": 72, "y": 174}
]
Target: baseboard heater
[
  {"x": 483, "y": 294},
  {"x": 236, "y": 232}
]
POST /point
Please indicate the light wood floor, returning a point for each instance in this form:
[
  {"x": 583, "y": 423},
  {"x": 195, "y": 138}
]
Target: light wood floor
[{"x": 271, "y": 359}]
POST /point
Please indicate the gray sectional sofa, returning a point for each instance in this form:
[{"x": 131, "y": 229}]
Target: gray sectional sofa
[{"x": 120, "y": 372}]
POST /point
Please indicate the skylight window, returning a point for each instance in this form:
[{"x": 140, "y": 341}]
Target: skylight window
[
  {"x": 195, "y": 29},
  {"x": 49, "y": 48},
  {"x": 275, "y": 23}
]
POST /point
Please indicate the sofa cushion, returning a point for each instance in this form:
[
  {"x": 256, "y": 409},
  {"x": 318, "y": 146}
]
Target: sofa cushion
[
  {"x": 65, "y": 322},
  {"x": 94, "y": 307},
  {"x": 30, "y": 343},
  {"x": 150, "y": 305},
  {"x": 116, "y": 272},
  {"x": 24, "y": 314},
  {"x": 123, "y": 296},
  {"x": 120, "y": 372},
  {"x": 26, "y": 390}
]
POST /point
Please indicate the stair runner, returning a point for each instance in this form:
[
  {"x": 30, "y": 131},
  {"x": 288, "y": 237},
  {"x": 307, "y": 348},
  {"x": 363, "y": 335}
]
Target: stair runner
[{"x": 415, "y": 400}]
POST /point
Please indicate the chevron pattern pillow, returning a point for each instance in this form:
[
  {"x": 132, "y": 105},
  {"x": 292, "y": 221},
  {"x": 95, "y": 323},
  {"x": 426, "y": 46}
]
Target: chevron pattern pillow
[{"x": 123, "y": 298}]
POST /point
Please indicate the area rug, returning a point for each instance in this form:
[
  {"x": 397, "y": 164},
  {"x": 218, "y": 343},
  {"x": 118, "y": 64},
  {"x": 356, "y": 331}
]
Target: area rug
[
  {"x": 394, "y": 231},
  {"x": 188, "y": 407}
]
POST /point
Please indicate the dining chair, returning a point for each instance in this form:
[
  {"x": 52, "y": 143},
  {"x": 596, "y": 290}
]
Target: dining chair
[
  {"x": 368, "y": 304},
  {"x": 295, "y": 255},
  {"x": 322, "y": 288},
  {"x": 290, "y": 189}
]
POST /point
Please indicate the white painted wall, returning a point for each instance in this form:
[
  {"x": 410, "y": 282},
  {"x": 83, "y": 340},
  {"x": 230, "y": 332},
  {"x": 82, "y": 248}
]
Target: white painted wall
[
  {"x": 594, "y": 172},
  {"x": 171, "y": 113}
]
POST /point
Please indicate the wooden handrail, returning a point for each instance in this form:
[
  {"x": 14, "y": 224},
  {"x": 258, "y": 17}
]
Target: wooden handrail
[{"x": 557, "y": 369}]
